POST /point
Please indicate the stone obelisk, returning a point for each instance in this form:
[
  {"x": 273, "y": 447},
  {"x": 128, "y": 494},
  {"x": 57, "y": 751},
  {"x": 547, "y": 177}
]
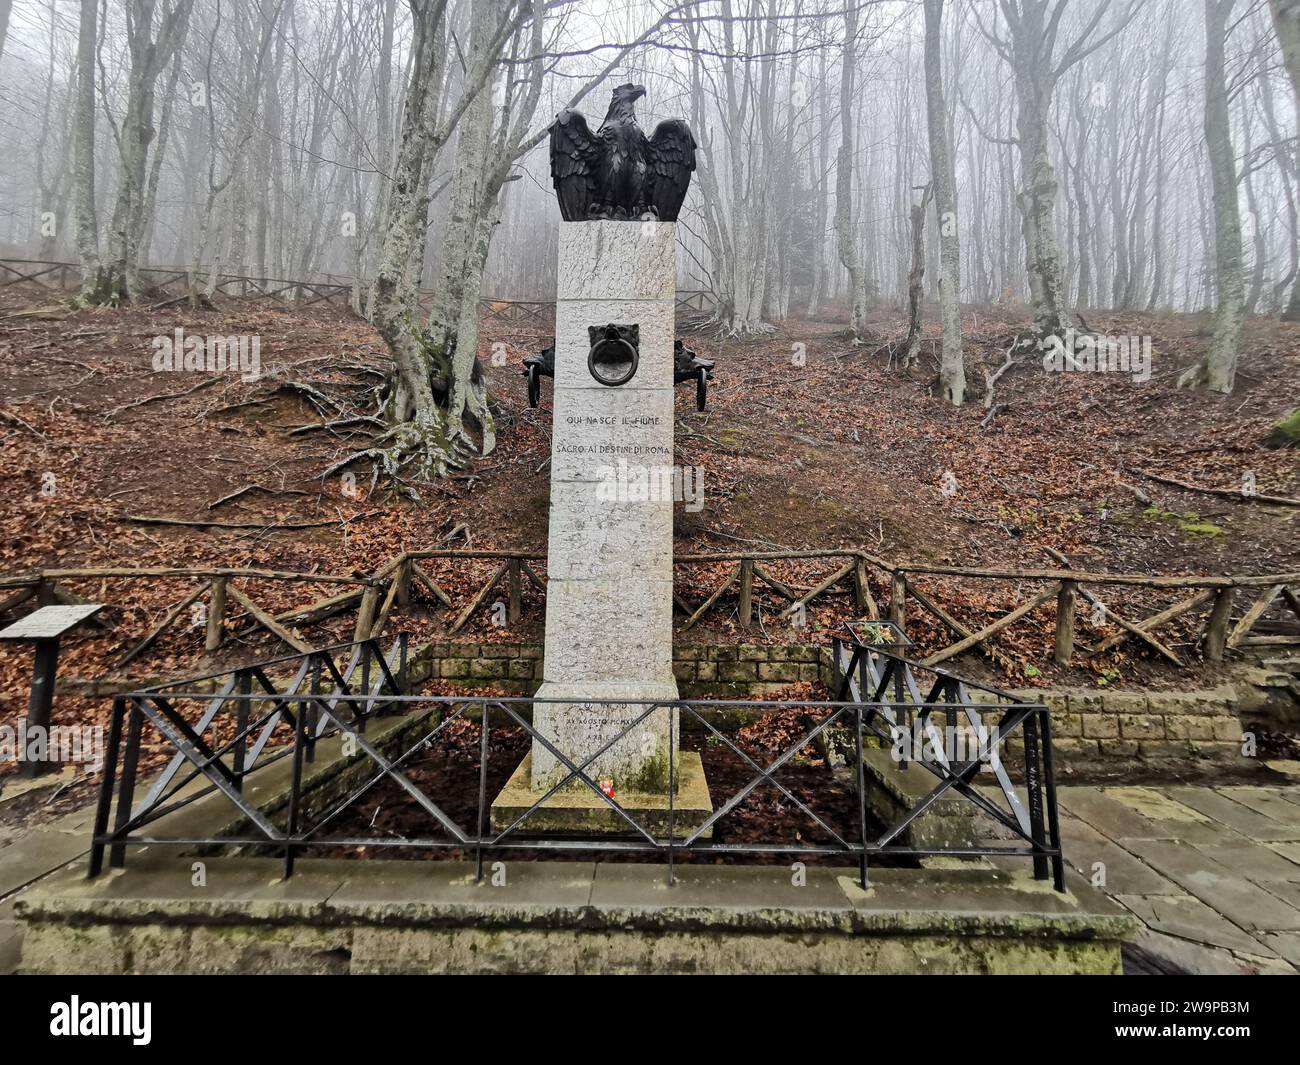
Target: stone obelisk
[{"x": 609, "y": 596}]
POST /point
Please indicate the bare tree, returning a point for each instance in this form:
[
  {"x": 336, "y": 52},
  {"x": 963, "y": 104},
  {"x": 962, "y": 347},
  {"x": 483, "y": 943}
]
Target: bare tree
[
  {"x": 418, "y": 437},
  {"x": 1029, "y": 47},
  {"x": 844, "y": 231},
  {"x": 5, "y": 7},
  {"x": 115, "y": 278},
  {"x": 943, "y": 182},
  {"x": 84, "y": 155},
  {"x": 1218, "y": 368},
  {"x": 1286, "y": 21}
]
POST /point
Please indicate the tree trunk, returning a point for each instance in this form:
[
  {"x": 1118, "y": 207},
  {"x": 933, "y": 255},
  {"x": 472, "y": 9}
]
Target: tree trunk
[
  {"x": 916, "y": 283},
  {"x": 848, "y": 245},
  {"x": 5, "y": 7},
  {"x": 117, "y": 278},
  {"x": 418, "y": 426},
  {"x": 93, "y": 287},
  {"x": 1286, "y": 20},
  {"x": 1219, "y": 366},
  {"x": 1038, "y": 209},
  {"x": 943, "y": 183}
]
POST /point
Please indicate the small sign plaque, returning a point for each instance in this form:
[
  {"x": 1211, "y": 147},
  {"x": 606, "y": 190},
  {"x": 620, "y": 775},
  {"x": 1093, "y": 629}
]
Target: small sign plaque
[{"x": 50, "y": 622}]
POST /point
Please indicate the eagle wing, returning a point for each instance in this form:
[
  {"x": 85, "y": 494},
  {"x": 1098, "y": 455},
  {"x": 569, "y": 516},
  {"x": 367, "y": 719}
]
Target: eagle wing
[
  {"x": 575, "y": 153},
  {"x": 671, "y": 158}
]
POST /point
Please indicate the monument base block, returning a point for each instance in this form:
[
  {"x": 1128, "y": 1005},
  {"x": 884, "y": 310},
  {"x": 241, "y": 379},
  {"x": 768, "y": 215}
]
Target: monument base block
[
  {"x": 341, "y": 916},
  {"x": 576, "y": 808}
]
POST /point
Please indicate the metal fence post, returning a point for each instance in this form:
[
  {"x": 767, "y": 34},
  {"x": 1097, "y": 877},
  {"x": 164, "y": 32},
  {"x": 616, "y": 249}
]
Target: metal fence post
[
  {"x": 482, "y": 793},
  {"x": 295, "y": 790},
  {"x": 244, "y": 690},
  {"x": 1033, "y": 786},
  {"x": 106, "y": 783},
  {"x": 126, "y": 793}
]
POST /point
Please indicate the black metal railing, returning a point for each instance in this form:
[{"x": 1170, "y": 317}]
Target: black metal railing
[{"x": 878, "y": 696}]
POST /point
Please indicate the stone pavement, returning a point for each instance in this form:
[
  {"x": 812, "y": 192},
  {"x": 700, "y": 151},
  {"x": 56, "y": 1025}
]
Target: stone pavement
[{"x": 1212, "y": 872}]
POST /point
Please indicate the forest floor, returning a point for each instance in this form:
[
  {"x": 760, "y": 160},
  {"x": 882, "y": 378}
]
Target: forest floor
[{"x": 808, "y": 443}]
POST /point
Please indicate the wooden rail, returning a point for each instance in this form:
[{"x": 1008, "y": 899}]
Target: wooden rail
[{"x": 852, "y": 575}]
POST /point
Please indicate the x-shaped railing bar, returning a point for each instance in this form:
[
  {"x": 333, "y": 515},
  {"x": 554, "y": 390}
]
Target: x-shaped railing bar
[
  {"x": 766, "y": 774},
  {"x": 961, "y": 781},
  {"x": 274, "y": 718},
  {"x": 173, "y": 767},
  {"x": 958, "y": 692},
  {"x": 220, "y": 699},
  {"x": 390, "y": 770},
  {"x": 183, "y": 737},
  {"x": 578, "y": 771},
  {"x": 1005, "y": 785},
  {"x": 331, "y": 813},
  {"x": 156, "y": 805}
]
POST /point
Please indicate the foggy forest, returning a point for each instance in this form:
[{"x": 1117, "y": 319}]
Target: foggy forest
[
  {"x": 1108, "y": 154},
  {"x": 967, "y": 373}
]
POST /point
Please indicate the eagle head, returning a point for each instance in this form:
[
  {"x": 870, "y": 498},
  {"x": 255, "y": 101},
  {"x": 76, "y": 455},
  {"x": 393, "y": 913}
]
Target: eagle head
[{"x": 628, "y": 93}]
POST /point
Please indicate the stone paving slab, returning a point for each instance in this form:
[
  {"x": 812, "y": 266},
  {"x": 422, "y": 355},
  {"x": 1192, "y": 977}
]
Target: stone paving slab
[
  {"x": 37, "y": 853},
  {"x": 1232, "y": 853},
  {"x": 1124, "y": 874},
  {"x": 1286, "y": 944},
  {"x": 1156, "y": 806},
  {"x": 1122, "y": 816},
  {"x": 1273, "y": 803},
  {"x": 1174, "y": 955},
  {"x": 1235, "y": 815},
  {"x": 1245, "y": 904},
  {"x": 11, "y": 939},
  {"x": 1254, "y": 861},
  {"x": 1191, "y": 919},
  {"x": 1288, "y": 892},
  {"x": 743, "y": 887}
]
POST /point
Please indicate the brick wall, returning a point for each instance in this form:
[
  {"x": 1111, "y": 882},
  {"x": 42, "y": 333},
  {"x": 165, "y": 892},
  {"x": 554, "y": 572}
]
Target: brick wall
[
  {"x": 1089, "y": 724},
  {"x": 702, "y": 671}
]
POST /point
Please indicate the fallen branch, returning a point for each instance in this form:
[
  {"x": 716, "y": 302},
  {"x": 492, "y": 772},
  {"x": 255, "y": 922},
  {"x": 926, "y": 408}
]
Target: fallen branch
[
  {"x": 256, "y": 487},
  {"x": 207, "y": 382},
  {"x": 991, "y": 379},
  {"x": 13, "y": 419},
  {"x": 1226, "y": 493},
  {"x": 993, "y": 413},
  {"x": 143, "y": 519}
]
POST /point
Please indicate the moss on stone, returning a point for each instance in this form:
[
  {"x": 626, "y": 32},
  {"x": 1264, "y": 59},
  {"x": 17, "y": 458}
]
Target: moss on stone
[{"x": 1286, "y": 432}]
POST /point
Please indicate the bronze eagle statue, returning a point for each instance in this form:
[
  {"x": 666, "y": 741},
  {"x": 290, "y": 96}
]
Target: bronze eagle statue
[{"x": 617, "y": 172}]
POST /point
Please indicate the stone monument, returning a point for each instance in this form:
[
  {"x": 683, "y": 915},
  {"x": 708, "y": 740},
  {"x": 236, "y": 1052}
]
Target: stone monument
[{"x": 608, "y": 653}]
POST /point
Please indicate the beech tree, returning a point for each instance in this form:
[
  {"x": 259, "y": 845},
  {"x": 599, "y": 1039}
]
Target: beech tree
[
  {"x": 114, "y": 278},
  {"x": 943, "y": 184},
  {"x": 1218, "y": 368},
  {"x": 1028, "y": 44},
  {"x": 400, "y": 149}
]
